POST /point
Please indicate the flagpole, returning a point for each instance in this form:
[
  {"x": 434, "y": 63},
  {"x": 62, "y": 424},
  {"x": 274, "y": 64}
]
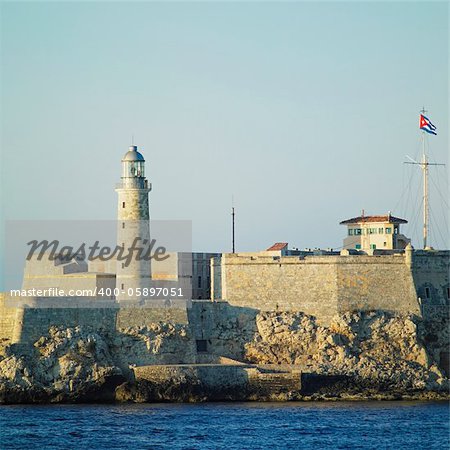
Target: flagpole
[
  {"x": 424, "y": 165},
  {"x": 425, "y": 192}
]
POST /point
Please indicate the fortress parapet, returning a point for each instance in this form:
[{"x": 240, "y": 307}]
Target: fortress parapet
[{"x": 410, "y": 282}]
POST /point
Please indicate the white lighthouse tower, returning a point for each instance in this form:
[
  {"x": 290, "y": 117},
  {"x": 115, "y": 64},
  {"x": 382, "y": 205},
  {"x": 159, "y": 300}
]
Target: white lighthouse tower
[{"x": 133, "y": 276}]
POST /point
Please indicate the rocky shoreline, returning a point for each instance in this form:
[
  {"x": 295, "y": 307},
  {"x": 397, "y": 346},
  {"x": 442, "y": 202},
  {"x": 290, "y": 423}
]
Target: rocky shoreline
[{"x": 358, "y": 356}]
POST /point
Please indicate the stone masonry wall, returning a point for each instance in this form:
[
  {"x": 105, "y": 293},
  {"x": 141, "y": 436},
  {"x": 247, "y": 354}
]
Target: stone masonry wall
[
  {"x": 27, "y": 322},
  {"x": 35, "y": 322},
  {"x": 375, "y": 283},
  {"x": 225, "y": 328},
  {"x": 280, "y": 283},
  {"x": 139, "y": 317},
  {"x": 431, "y": 278},
  {"x": 7, "y": 322},
  {"x": 320, "y": 286}
]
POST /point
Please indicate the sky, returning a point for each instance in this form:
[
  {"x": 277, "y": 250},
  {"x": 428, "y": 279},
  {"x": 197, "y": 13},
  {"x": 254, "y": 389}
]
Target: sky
[{"x": 301, "y": 112}]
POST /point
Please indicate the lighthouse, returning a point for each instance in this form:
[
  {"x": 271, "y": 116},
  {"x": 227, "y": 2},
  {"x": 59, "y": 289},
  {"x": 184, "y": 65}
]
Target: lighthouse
[{"x": 133, "y": 274}]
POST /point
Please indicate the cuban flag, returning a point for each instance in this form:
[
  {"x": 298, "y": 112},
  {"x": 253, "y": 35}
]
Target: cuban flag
[{"x": 426, "y": 125}]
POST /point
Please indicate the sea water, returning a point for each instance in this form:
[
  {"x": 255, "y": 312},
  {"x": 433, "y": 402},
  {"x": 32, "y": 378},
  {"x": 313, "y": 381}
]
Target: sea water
[{"x": 318, "y": 425}]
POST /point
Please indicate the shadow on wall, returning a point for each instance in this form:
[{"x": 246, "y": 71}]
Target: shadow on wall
[{"x": 222, "y": 329}]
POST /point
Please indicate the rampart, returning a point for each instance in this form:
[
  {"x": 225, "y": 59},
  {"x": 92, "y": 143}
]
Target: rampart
[
  {"x": 323, "y": 286},
  {"x": 25, "y": 320}
]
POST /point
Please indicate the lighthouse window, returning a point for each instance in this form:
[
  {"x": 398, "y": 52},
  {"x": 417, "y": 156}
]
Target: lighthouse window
[
  {"x": 199, "y": 282},
  {"x": 123, "y": 224},
  {"x": 123, "y": 204},
  {"x": 427, "y": 292},
  {"x": 448, "y": 293},
  {"x": 140, "y": 169}
]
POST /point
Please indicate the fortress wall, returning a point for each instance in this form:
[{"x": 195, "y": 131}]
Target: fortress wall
[
  {"x": 225, "y": 328},
  {"x": 7, "y": 322},
  {"x": 211, "y": 375},
  {"x": 37, "y": 321},
  {"x": 283, "y": 283},
  {"x": 224, "y": 379},
  {"x": 138, "y": 317},
  {"x": 83, "y": 281},
  {"x": 27, "y": 322},
  {"x": 320, "y": 286},
  {"x": 431, "y": 270},
  {"x": 375, "y": 283}
]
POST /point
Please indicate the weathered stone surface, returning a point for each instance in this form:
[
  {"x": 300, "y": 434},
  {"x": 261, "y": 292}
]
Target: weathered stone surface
[
  {"x": 67, "y": 365},
  {"x": 156, "y": 343},
  {"x": 326, "y": 285},
  {"x": 79, "y": 364},
  {"x": 358, "y": 355},
  {"x": 378, "y": 350}
]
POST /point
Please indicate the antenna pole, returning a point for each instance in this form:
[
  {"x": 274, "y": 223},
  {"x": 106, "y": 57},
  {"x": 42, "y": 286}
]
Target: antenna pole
[{"x": 232, "y": 229}]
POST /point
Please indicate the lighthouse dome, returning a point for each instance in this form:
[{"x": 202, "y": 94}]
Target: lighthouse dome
[{"x": 133, "y": 155}]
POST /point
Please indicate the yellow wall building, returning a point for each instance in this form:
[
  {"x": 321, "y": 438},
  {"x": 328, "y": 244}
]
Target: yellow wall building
[{"x": 375, "y": 232}]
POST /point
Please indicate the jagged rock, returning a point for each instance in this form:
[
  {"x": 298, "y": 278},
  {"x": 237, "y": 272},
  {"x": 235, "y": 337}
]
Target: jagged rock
[
  {"x": 68, "y": 364},
  {"x": 385, "y": 356},
  {"x": 375, "y": 348},
  {"x": 157, "y": 343}
]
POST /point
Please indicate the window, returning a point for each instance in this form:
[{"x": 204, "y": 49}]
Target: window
[
  {"x": 199, "y": 282},
  {"x": 373, "y": 246},
  {"x": 384, "y": 244},
  {"x": 358, "y": 231},
  {"x": 123, "y": 224},
  {"x": 358, "y": 246},
  {"x": 448, "y": 293},
  {"x": 388, "y": 230},
  {"x": 427, "y": 292},
  {"x": 202, "y": 345},
  {"x": 380, "y": 230},
  {"x": 123, "y": 204},
  {"x": 123, "y": 286},
  {"x": 123, "y": 265},
  {"x": 372, "y": 231},
  {"x": 350, "y": 231}
]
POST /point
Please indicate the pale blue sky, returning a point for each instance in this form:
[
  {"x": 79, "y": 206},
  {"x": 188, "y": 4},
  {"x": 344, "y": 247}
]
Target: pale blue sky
[{"x": 303, "y": 111}]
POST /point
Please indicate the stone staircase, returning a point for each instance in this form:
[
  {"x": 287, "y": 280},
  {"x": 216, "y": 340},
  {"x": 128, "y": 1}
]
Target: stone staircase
[{"x": 269, "y": 380}]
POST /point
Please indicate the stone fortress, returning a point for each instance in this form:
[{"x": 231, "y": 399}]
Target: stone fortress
[{"x": 376, "y": 270}]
